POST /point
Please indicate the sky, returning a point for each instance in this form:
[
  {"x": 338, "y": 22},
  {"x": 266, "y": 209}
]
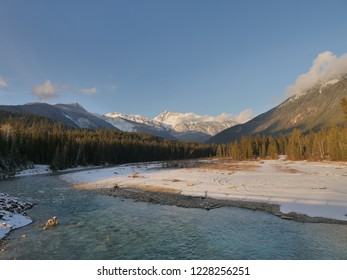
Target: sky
[{"x": 147, "y": 56}]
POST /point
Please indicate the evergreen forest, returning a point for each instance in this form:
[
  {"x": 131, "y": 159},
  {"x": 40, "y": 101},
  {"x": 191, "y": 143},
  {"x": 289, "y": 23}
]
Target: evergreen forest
[{"x": 26, "y": 139}]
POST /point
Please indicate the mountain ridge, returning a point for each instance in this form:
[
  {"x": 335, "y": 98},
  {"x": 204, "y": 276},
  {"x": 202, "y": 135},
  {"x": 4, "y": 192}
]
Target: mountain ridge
[
  {"x": 317, "y": 108},
  {"x": 72, "y": 115}
]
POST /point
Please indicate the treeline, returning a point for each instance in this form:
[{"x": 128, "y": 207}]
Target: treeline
[
  {"x": 325, "y": 144},
  {"x": 26, "y": 139}
]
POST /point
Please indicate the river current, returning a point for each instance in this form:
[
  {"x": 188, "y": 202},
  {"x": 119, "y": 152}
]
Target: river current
[{"x": 94, "y": 226}]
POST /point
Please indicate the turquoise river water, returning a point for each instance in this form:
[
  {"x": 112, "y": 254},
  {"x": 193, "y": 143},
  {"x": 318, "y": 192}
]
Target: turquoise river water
[{"x": 94, "y": 226}]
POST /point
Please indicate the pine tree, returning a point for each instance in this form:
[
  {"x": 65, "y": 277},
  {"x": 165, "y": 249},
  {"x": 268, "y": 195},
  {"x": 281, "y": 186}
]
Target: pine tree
[
  {"x": 334, "y": 144},
  {"x": 295, "y": 147},
  {"x": 272, "y": 147}
]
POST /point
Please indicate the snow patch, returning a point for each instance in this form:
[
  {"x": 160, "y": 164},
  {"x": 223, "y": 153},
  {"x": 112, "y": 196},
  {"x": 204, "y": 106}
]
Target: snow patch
[
  {"x": 328, "y": 83},
  {"x": 10, "y": 221},
  {"x": 38, "y": 169},
  {"x": 67, "y": 116}
]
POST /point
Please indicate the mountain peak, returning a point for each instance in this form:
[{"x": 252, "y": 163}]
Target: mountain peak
[
  {"x": 165, "y": 116},
  {"x": 115, "y": 115},
  {"x": 70, "y": 106},
  {"x": 134, "y": 118}
]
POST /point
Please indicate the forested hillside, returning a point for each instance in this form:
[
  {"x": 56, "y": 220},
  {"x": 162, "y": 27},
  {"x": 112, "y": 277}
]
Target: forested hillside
[
  {"x": 325, "y": 144},
  {"x": 26, "y": 139},
  {"x": 322, "y": 145}
]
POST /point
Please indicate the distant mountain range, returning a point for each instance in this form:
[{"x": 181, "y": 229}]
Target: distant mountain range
[
  {"x": 168, "y": 125},
  {"x": 315, "y": 109},
  {"x": 189, "y": 126}
]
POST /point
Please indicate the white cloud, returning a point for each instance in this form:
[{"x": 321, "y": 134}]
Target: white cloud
[
  {"x": 325, "y": 67},
  {"x": 89, "y": 91},
  {"x": 3, "y": 82},
  {"x": 45, "y": 91},
  {"x": 243, "y": 117}
]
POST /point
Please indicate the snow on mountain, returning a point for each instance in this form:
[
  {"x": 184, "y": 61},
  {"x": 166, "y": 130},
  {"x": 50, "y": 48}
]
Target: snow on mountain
[
  {"x": 187, "y": 126},
  {"x": 134, "y": 118},
  {"x": 120, "y": 118},
  {"x": 118, "y": 122},
  {"x": 207, "y": 124},
  {"x": 330, "y": 82}
]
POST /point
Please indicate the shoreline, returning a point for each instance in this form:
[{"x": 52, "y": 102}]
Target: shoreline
[
  {"x": 293, "y": 190},
  {"x": 179, "y": 200}
]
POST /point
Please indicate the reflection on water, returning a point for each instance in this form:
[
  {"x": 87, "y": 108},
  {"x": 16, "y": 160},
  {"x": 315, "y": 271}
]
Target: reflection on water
[{"x": 100, "y": 227}]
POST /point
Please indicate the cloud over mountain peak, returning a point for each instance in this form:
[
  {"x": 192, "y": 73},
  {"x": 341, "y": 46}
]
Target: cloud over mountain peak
[{"x": 325, "y": 67}]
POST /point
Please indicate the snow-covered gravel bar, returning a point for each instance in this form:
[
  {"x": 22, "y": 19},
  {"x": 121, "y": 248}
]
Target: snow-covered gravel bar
[
  {"x": 36, "y": 170},
  {"x": 317, "y": 189}
]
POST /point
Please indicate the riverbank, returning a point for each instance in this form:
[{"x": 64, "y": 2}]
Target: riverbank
[
  {"x": 172, "y": 198},
  {"x": 12, "y": 214},
  {"x": 301, "y": 191}
]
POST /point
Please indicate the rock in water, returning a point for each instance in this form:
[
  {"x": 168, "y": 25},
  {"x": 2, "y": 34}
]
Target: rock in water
[{"x": 51, "y": 223}]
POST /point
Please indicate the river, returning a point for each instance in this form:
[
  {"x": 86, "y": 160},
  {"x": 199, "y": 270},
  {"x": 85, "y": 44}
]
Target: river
[{"x": 94, "y": 226}]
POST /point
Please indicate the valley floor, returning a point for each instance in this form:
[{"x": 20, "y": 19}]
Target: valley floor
[{"x": 298, "y": 190}]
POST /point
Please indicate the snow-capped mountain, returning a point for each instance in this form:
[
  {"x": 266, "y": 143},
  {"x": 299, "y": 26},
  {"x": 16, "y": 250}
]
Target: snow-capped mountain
[
  {"x": 192, "y": 122},
  {"x": 188, "y": 126}
]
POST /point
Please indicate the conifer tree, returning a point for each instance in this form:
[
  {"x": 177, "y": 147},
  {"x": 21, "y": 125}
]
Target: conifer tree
[{"x": 334, "y": 144}]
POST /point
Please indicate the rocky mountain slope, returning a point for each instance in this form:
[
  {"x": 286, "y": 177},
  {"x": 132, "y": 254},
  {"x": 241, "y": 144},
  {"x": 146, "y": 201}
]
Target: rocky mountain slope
[{"x": 317, "y": 108}]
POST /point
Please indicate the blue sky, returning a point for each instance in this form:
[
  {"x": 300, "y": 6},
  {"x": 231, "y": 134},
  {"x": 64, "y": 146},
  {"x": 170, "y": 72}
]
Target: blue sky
[{"x": 147, "y": 56}]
